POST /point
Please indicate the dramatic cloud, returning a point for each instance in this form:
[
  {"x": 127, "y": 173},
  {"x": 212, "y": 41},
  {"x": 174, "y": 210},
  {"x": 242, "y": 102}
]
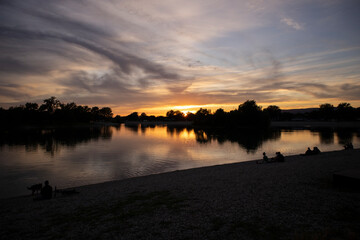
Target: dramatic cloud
[{"x": 155, "y": 55}]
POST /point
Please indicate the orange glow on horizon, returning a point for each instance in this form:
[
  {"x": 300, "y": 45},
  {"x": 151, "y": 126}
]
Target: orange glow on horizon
[
  {"x": 187, "y": 112},
  {"x": 162, "y": 110}
]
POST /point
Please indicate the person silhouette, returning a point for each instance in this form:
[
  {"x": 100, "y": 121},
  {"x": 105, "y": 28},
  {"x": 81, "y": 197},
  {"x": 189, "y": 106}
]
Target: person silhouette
[
  {"x": 308, "y": 152},
  {"x": 46, "y": 191},
  {"x": 348, "y": 146},
  {"x": 316, "y": 150},
  {"x": 264, "y": 160},
  {"x": 279, "y": 157}
]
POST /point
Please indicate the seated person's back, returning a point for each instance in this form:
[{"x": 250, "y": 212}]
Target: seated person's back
[
  {"x": 265, "y": 158},
  {"x": 316, "y": 150},
  {"x": 46, "y": 191},
  {"x": 279, "y": 157},
  {"x": 308, "y": 152}
]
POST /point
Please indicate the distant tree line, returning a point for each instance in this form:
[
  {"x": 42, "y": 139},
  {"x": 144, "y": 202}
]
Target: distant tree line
[
  {"x": 53, "y": 111},
  {"x": 326, "y": 112},
  {"x": 247, "y": 113}
]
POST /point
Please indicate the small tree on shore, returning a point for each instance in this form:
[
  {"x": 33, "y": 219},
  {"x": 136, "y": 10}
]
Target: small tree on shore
[
  {"x": 327, "y": 111},
  {"x": 274, "y": 112},
  {"x": 50, "y": 105}
]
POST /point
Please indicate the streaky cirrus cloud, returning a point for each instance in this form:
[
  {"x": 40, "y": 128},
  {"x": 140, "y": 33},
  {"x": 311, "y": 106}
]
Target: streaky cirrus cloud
[
  {"x": 292, "y": 23},
  {"x": 135, "y": 55}
]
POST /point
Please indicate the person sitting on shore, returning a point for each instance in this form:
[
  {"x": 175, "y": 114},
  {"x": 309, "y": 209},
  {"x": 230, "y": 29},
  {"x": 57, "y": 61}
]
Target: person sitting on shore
[
  {"x": 316, "y": 150},
  {"x": 348, "y": 146},
  {"x": 308, "y": 152},
  {"x": 265, "y": 159},
  {"x": 46, "y": 191},
  {"x": 279, "y": 157}
]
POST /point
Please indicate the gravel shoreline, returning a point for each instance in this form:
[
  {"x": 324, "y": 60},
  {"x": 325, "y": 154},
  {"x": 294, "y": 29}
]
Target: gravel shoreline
[{"x": 296, "y": 199}]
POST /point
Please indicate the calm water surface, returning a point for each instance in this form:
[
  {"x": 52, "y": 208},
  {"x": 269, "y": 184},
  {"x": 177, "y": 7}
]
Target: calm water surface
[{"x": 70, "y": 157}]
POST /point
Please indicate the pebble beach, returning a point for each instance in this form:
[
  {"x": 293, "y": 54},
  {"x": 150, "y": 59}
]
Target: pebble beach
[{"x": 295, "y": 199}]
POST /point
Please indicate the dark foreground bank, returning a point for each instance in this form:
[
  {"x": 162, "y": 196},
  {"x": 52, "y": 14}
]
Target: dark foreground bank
[{"x": 296, "y": 199}]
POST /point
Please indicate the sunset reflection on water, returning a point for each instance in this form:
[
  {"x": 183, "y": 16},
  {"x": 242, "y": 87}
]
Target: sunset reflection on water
[{"x": 76, "y": 156}]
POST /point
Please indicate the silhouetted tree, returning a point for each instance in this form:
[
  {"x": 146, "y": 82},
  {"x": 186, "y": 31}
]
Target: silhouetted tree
[
  {"x": 50, "y": 105},
  {"x": 249, "y": 107},
  {"x": 68, "y": 107},
  {"x": 106, "y": 113},
  {"x": 117, "y": 119},
  {"x": 190, "y": 116},
  {"x": 179, "y": 116},
  {"x": 249, "y": 113},
  {"x": 220, "y": 117},
  {"x": 152, "y": 118},
  {"x": 274, "y": 112},
  {"x": 31, "y": 106},
  {"x": 220, "y": 112},
  {"x": 203, "y": 112},
  {"x": 95, "y": 110},
  {"x": 203, "y": 116},
  {"x": 53, "y": 111},
  {"x": 170, "y": 113},
  {"x": 133, "y": 117},
  {"x": 143, "y": 117},
  {"x": 175, "y": 115},
  {"x": 327, "y": 111},
  {"x": 345, "y": 111}
]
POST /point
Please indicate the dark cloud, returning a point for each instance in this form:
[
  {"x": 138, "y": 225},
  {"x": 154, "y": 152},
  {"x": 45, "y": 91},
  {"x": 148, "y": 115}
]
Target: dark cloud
[
  {"x": 349, "y": 91},
  {"x": 83, "y": 81},
  {"x": 49, "y": 37},
  {"x": 12, "y": 65},
  {"x": 126, "y": 62},
  {"x": 13, "y": 90},
  {"x": 316, "y": 90},
  {"x": 49, "y": 15}
]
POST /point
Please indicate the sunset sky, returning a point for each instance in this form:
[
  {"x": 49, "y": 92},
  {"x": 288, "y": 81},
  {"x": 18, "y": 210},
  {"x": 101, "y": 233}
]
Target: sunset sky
[{"x": 152, "y": 56}]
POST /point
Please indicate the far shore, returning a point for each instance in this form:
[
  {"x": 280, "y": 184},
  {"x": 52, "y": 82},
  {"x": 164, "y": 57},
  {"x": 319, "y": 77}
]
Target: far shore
[
  {"x": 150, "y": 123},
  {"x": 296, "y": 199},
  {"x": 314, "y": 124},
  {"x": 291, "y": 124},
  {"x": 277, "y": 124}
]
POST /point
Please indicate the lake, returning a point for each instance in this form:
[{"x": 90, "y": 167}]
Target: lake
[{"x": 75, "y": 156}]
